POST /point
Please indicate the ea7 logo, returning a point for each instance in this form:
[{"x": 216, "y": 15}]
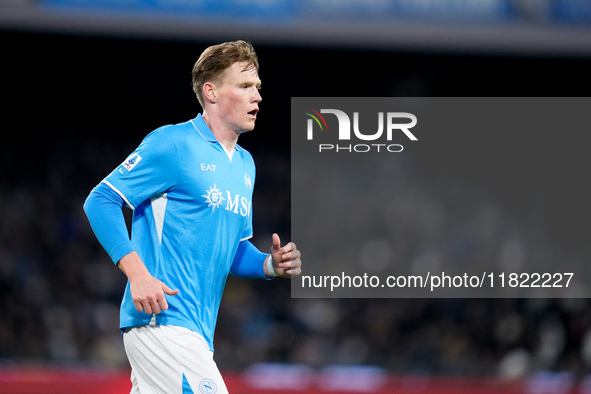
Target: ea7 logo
[{"x": 394, "y": 122}]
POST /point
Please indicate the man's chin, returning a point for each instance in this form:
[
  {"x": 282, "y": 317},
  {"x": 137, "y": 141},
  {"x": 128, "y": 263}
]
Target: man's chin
[{"x": 246, "y": 130}]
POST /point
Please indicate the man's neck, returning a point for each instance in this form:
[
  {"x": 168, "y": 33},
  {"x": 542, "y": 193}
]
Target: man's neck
[{"x": 228, "y": 138}]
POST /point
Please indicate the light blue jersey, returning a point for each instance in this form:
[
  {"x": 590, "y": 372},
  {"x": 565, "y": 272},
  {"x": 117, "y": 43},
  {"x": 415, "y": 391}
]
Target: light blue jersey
[{"x": 192, "y": 204}]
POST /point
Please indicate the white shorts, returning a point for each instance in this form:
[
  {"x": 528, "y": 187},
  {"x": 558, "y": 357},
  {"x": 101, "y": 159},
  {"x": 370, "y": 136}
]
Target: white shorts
[{"x": 171, "y": 359}]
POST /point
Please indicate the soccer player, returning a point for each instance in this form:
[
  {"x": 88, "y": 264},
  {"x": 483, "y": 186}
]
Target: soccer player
[{"x": 190, "y": 187}]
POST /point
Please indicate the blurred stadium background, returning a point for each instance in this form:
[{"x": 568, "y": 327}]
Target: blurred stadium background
[{"x": 85, "y": 80}]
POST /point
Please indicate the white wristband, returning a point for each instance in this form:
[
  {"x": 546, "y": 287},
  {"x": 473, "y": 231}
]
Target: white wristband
[{"x": 270, "y": 266}]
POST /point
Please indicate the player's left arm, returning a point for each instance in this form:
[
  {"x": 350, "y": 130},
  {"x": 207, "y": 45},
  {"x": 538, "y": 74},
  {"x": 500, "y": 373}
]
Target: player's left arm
[
  {"x": 250, "y": 263},
  {"x": 285, "y": 261}
]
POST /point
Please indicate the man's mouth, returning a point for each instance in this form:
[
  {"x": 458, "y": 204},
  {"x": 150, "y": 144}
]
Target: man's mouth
[{"x": 253, "y": 112}]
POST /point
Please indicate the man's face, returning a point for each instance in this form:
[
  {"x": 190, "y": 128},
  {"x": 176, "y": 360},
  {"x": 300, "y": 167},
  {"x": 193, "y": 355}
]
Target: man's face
[{"x": 238, "y": 97}]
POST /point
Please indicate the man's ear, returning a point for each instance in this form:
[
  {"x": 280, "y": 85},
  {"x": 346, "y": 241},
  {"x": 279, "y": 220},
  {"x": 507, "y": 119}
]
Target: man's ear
[{"x": 209, "y": 93}]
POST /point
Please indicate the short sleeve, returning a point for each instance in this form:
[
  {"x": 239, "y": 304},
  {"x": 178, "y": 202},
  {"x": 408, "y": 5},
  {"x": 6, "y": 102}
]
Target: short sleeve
[{"x": 151, "y": 169}]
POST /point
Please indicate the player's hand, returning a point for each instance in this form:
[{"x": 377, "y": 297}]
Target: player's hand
[
  {"x": 286, "y": 259},
  {"x": 147, "y": 292}
]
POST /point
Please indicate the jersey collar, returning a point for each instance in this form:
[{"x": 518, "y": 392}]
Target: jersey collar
[{"x": 203, "y": 129}]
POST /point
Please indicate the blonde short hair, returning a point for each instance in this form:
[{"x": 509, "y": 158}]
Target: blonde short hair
[{"x": 216, "y": 59}]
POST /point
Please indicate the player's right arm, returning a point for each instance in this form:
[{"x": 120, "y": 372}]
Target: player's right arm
[
  {"x": 103, "y": 209},
  {"x": 147, "y": 292}
]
